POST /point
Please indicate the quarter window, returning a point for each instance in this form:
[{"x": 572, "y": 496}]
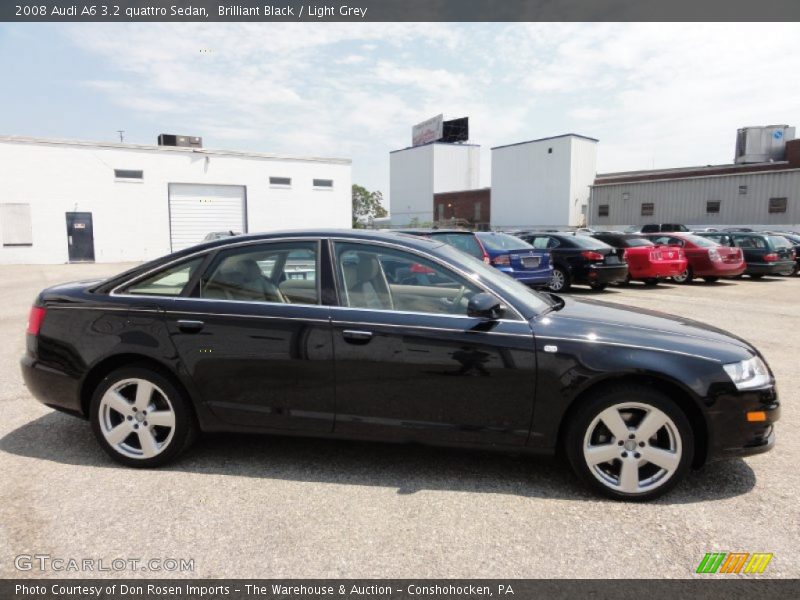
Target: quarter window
[
  {"x": 284, "y": 273},
  {"x": 386, "y": 279},
  {"x": 170, "y": 282},
  {"x": 777, "y": 205}
]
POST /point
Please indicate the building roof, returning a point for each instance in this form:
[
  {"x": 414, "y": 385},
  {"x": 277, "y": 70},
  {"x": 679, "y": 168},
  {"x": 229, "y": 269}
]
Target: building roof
[
  {"x": 552, "y": 137},
  {"x": 17, "y": 139},
  {"x": 435, "y": 143}
]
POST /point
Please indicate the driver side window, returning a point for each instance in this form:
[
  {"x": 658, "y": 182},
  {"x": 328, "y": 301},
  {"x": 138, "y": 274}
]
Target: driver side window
[{"x": 386, "y": 279}]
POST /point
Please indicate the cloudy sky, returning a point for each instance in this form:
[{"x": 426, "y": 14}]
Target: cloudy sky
[{"x": 654, "y": 94}]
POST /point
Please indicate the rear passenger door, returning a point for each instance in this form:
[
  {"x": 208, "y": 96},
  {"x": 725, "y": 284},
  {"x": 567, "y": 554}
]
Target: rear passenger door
[{"x": 255, "y": 338}]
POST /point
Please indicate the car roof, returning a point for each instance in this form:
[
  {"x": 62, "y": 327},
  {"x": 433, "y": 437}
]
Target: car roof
[{"x": 430, "y": 231}]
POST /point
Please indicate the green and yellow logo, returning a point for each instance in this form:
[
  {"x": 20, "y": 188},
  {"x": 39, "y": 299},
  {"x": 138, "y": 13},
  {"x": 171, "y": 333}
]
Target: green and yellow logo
[{"x": 734, "y": 562}]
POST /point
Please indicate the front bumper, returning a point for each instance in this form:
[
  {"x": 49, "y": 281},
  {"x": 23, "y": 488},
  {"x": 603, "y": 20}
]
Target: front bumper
[{"x": 732, "y": 435}]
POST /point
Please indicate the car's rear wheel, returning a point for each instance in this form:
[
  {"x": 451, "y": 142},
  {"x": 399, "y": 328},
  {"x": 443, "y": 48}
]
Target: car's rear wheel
[
  {"x": 559, "y": 280},
  {"x": 630, "y": 443},
  {"x": 140, "y": 418},
  {"x": 685, "y": 277}
]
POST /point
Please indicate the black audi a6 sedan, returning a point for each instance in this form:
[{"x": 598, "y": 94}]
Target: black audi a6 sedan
[{"x": 320, "y": 333}]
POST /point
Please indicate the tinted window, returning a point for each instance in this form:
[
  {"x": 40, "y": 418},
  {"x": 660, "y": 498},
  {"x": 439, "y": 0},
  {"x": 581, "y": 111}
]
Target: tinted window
[
  {"x": 169, "y": 282},
  {"x": 542, "y": 242},
  {"x": 751, "y": 241},
  {"x": 651, "y": 228},
  {"x": 381, "y": 278},
  {"x": 284, "y": 272},
  {"x": 465, "y": 242},
  {"x": 584, "y": 241},
  {"x": 499, "y": 242},
  {"x": 635, "y": 242}
]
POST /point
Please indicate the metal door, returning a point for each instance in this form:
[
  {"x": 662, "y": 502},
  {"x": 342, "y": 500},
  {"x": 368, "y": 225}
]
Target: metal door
[{"x": 80, "y": 237}]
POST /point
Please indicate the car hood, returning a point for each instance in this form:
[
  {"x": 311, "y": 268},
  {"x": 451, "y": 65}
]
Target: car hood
[{"x": 615, "y": 325}]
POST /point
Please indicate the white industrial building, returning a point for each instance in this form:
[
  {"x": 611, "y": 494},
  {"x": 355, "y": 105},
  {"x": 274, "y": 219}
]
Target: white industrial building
[
  {"x": 66, "y": 200},
  {"x": 419, "y": 172},
  {"x": 544, "y": 182},
  {"x": 760, "y": 188}
]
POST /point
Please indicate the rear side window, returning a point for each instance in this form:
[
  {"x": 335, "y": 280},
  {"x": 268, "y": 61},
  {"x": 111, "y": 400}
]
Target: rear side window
[
  {"x": 636, "y": 242},
  {"x": 778, "y": 241},
  {"x": 464, "y": 242},
  {"x": 542, "y": 243},
  {"x": 750, "y": 241},
  {"x": 169, "y": 282}
]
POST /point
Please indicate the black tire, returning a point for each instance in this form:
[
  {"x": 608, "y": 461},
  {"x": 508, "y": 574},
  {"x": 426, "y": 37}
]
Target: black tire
[
  {"x": 651, "y": 281},
  {"x": 710, "y": 279},
  {"x": 598, "y": 287},
  {"x": 182, "y": 435},
  {"x": 590, "y": 409},
  {"x": 560, "y": 274},
  {"x": 756, "y": 276},
  {"x": 686, "y": 277}
]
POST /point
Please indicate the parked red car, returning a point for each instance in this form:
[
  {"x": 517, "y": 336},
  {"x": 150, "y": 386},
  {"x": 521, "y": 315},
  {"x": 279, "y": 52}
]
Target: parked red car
[
  {"x": 707, "y": 258},
  {"x": 646, "y": 261}
]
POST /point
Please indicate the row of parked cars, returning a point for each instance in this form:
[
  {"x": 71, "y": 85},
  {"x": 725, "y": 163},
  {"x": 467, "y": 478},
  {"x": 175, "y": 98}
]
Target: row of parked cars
[{"x": 556, "y": 260}]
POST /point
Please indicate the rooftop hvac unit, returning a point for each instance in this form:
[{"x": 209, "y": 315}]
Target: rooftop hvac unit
[
  {"x": 183, "y": 141},
  {"x": 762, "y": 144}
]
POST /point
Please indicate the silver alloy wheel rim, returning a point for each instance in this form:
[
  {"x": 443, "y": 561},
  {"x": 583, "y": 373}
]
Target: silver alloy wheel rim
[
  {"x": 556, "y": 280},
  {"x": 682, "y": 277},
  {"x": 136, "y": 418},
  {"x": 632, "y": 448}
]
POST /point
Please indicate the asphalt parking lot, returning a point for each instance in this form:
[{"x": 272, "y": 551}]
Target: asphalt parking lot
[{"x": 244, "y": 506}]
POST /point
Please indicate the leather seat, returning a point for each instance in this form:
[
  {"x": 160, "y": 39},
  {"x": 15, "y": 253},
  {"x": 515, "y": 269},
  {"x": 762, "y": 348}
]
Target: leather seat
[
  {"x": 243, "y": 281},
  {"x": 366, "y": 283}
]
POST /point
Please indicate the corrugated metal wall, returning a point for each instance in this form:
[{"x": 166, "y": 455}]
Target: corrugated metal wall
[{"x": 685, "y": 200}]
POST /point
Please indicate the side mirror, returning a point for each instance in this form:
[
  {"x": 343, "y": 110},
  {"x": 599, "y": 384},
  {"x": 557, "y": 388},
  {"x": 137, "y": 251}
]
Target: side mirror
[{"x": 485, "y": 306}]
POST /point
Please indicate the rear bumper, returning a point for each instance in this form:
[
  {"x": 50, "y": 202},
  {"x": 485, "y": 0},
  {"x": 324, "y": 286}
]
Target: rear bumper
[
  {"x": 660, "y": 270},
  {"x": 532, "y": 278},
  {"x": 732, "y": 435},
  {"x": 50, "y": 387},
  {"x": 771, "y": 268},
  {"x": 719, "y": 270},
  {"x": 602, "y": 274}
]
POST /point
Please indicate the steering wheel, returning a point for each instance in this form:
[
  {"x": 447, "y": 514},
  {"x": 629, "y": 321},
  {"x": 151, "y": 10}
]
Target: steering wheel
[{"x": 456, "y": 305}]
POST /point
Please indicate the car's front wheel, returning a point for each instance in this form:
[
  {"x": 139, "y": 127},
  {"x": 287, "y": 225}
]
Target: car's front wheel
[
  {"x": 630, "y": 443},
  {"x": 140, "y": 418}
]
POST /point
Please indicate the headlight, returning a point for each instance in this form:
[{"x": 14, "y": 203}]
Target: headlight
[{"x": 748, "y": 374}]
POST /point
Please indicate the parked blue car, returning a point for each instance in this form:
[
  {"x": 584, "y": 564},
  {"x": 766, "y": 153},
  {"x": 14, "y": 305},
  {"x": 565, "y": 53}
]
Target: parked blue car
[{"x": 517, "y": 258}]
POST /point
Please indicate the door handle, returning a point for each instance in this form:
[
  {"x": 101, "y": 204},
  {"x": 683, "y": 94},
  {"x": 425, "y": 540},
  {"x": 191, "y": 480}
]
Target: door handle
[
  {"x": 353, "y": 336},
  {"x": 190, "y": 326}
]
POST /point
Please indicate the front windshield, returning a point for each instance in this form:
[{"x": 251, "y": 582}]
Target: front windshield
[
  {"x": 499, "y": 242},
  {"x": 530, "y": 302}
]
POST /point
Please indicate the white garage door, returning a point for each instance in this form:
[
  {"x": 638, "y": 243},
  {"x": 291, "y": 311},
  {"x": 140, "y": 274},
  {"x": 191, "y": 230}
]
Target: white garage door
[{"x": 197, "y": 210}]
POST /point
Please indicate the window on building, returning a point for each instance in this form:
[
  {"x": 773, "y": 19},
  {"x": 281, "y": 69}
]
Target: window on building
[
  {"x": 777, "y": 205},
  {"x": 712, "y": 207},
  {"x": 648, "y": 208},
  {"x": 549, "y": 150},
  {"x": 602, "y": 210},
  {"x": 281, "y": 181},
  {"x": 128, "y": 175},
  {"x": 742, "y": 190},
  {"x": 477, "y": 212},
  {"x": 15, "y": 224},
  {"x": 323, "y": 183}
]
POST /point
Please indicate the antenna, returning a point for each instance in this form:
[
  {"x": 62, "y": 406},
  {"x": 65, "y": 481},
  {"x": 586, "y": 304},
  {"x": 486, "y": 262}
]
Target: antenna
[{"x": 121, "y": 136}]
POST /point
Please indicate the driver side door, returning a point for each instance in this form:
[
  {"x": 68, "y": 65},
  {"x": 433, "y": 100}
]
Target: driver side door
[{"x": 412, "y": 366}]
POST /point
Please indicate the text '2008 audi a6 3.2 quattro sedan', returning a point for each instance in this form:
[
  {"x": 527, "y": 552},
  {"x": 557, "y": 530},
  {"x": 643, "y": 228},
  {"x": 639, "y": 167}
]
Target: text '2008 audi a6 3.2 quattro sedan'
[{"x": 323, "y": 333}]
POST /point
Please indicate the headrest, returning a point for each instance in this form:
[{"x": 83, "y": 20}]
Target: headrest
[{"x": 368, "y": 267}]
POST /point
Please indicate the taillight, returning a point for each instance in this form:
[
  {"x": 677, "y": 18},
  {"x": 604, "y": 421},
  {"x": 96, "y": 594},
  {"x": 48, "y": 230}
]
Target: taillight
[
  {"x": 591, "y": 255},
  {"x": 35, "y": 319},
  {"x": 504, "y": 260},
  {"x": 713, "y": 254},
  {"x": 772, "y": 257},
  {"x": 655, "y": 255}
]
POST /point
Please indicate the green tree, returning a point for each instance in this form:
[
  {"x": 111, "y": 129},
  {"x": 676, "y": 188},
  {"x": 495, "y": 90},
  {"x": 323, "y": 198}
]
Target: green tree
[{"x": 366, "y": 206}]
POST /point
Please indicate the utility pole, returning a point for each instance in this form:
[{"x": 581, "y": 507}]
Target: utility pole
[{"x": 121, "y": 136}]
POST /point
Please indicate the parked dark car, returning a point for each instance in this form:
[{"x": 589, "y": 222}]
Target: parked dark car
[
  {"x": 707, "y": 258},
  {"x": 463, "y": 239},
  {"x": 647, "y": 261},
  {"x": 764, "y": 254},
  {"x": 218, "y": 235},
  {"x": 657, "y": 228},
  {"x": 579, "y": 259},
  {"x": 517, "y": 258},
  {"x": 218, "y": 338},
  {"x": 794, "y": 240}
]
